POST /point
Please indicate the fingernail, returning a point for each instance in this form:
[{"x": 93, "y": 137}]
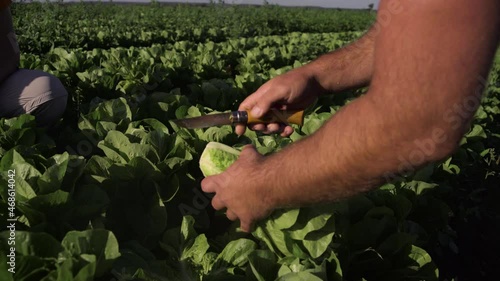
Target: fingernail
[{"x": 256, "y": 111}]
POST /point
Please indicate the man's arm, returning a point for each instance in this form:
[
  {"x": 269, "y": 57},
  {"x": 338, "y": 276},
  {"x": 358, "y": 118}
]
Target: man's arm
[{"x": 432, "y": 57}]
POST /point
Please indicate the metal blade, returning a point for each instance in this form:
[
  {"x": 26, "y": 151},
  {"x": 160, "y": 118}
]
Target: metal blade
[{"x": 205, "y": 121}]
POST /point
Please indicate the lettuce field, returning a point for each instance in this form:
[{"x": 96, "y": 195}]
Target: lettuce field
[{"x": 113, "y": 193}]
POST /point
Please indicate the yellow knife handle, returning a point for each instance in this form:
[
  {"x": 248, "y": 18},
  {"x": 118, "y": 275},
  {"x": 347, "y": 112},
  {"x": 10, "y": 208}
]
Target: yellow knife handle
[{"x": 278, "y": 116}]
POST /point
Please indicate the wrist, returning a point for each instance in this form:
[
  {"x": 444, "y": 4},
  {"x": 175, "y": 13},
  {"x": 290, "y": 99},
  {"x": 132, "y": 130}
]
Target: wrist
[
  {"x": 310, "y": 74},
  {"x": 268, "y": 184}
]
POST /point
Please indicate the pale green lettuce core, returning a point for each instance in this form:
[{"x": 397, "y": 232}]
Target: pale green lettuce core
[{"x": 216, "y": 158}]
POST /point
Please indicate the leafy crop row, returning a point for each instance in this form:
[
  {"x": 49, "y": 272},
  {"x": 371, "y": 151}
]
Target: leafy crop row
[
  {"x": 91, "y": 26},
  {"x": 192, "y": 67}
]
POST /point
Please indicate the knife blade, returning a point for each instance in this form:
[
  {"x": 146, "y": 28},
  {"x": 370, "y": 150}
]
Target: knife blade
[{"x": 242, "y": 117}]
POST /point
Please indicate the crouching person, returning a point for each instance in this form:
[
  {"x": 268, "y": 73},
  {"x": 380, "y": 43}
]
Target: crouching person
[{"x": 25, "y": 91}]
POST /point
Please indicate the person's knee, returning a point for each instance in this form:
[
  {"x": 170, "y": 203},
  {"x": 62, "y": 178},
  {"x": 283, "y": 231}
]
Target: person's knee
[
  {"x": 53, "y": 103},
  {"x": 44, "y": 86},
  {"x": 33, "y": 92}
]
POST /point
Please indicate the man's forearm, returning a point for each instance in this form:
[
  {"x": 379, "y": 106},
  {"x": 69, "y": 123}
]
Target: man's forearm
[
  {"x": 350, "y": 154},
  {"x": 405, "y": 116},
  {"x": 347, "y": 68}
]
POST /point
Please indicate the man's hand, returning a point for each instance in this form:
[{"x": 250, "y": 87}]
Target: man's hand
[
  {"x": 245, "y": 196},
  {"x": 347, "y": 68},
  {"x": 296, "y": 89}
]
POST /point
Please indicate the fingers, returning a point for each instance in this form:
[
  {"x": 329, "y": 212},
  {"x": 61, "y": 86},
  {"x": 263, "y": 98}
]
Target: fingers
[
  {"x": 253, "y": 100},
  {"x": 240, "y": 130},
  {"x": 287, "y": 131},
  {"x": 208, "y": 185},
  {"x": 273, "y": 128},
  {"x": 250, "y": 103},
  {"x": 211, "y": 185},
  {"x": 231, "y": 216},
  {"x": 272, "y": 94},
  {"x": 263, "y": 99},
  {"x": 222, "y": 186},
  {"x": 217, "y": 203},
  {"x": 246, "y": 226}
]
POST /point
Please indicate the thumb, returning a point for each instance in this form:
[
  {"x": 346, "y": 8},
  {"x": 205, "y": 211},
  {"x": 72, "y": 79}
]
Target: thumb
[
  {"x": 262, "y": 106},
  {"x": 261, "y": 101}
]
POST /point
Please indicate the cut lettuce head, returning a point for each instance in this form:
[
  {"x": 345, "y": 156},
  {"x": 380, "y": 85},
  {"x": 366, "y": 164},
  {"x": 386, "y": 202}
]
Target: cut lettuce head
[{"x": 216, "y": 158}]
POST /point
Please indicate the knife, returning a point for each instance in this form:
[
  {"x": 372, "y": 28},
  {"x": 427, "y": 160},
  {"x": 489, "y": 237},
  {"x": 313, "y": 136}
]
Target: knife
[{"x": 242, "y": 117}]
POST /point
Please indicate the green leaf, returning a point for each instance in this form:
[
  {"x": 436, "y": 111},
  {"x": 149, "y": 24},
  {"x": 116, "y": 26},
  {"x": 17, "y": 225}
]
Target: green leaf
[
  {"x": 27, "y": 267},
  {"x": 160, "y": 142},
  {"x": 20, "y": 122},
  {"x": 17, "y": 131},
  {"x": 217, "y": 134},
  {"x": 263, "y": 265},
  {"x": 314, "y": 121},
  {"x": 12, "y": 160},
  {"x": 52, "y": 178},
  {"x": 103, "y": 127},
  {"x": 299, "y": 276},
  {"x": 309, "y": 220},
  {"x": 420, "y": 187},
  {"x": 236, "y": 252},
  {"x": 476, "y": 132},
  {"x": 368, "y": 260},
  {"x": 119, "y": 148},
  {"x": 187, "y": 229},
  {"x": 111, "y": 111},
  {"x": 284, "y": 218},
  {"x": 24, "y": 192},
  {"x": 137, "y": 169},
  {"x": 150, "y": 125},
  {"x": 54, "y": 206},
  {"x": 98, "y": 168},
  {"x": 451, "y": 168},
  {"x": 113, "y": 153},
  {"x": 277, "y": 240},
  {"x": 41, "y": 245},
  {"x": 74, "y": 171},
  {"x": 196, "y": 250},
  {"x": 98, "y": 242},
  {"x": 422, "y": 264},
  {"x": 36, "y": 254},
  {"x": 317, "y": 242},
  {"x": 395, "y": 243}
]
